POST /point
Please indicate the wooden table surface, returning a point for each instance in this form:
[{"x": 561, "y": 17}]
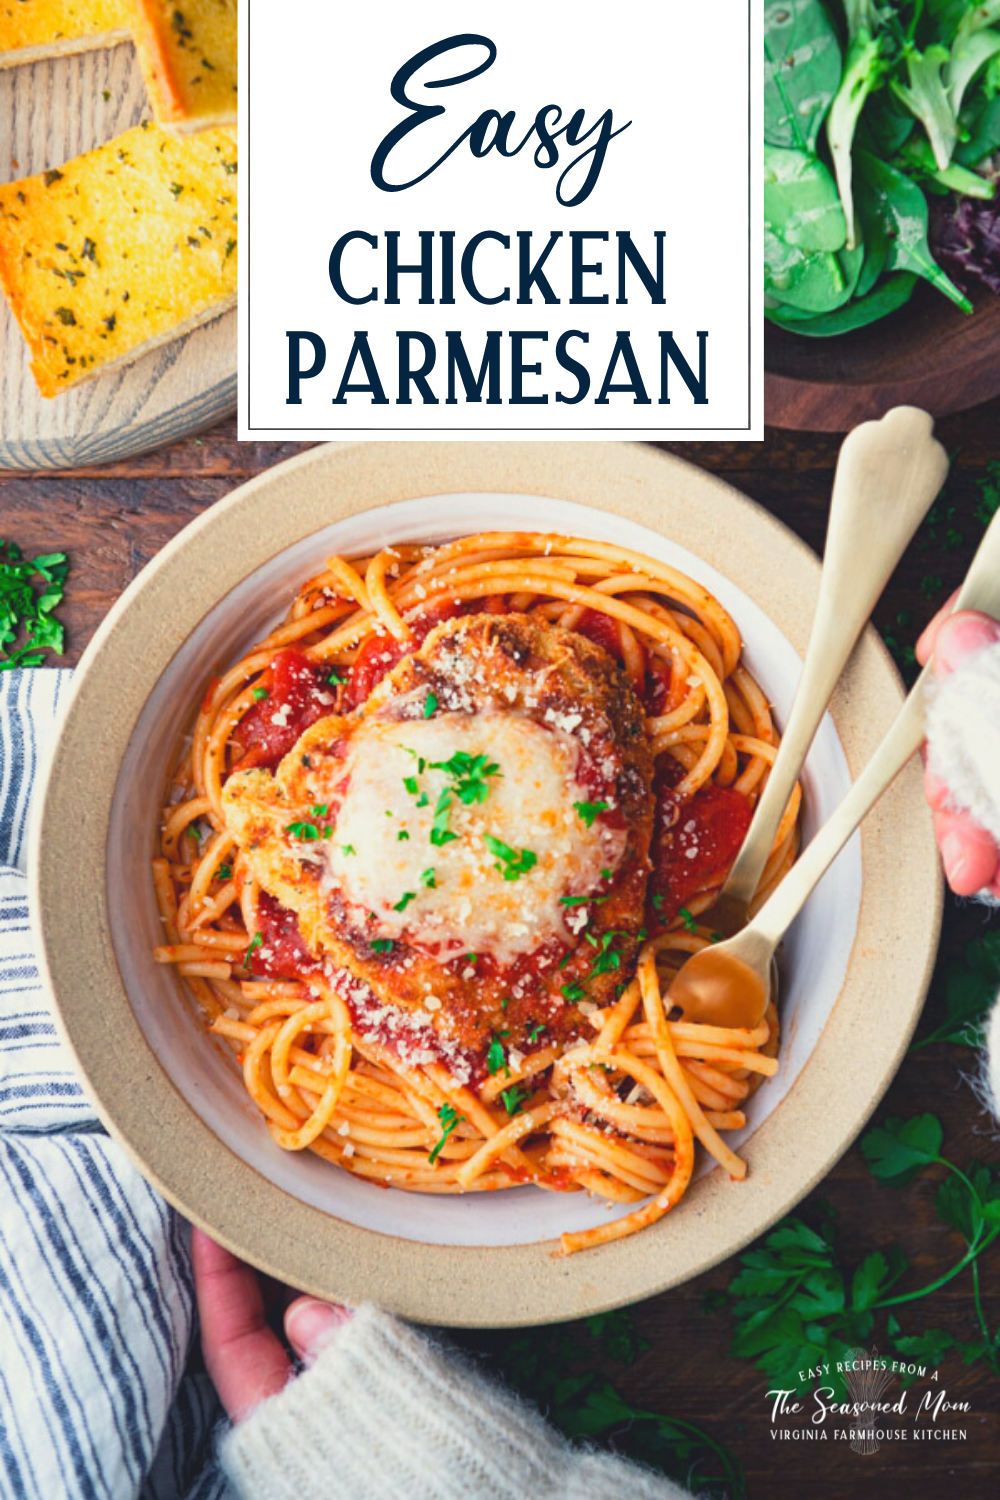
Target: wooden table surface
[{"x": 113, "y": 520}]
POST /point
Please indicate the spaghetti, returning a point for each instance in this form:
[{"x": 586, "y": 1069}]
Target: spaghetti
[{"x": 606, "y": 1095}]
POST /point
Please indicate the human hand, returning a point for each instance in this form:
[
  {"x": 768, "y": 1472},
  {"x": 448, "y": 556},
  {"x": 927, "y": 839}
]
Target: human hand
[
  {"x": 245, "y": 1357},
  {"x": 970, "y": 854}
]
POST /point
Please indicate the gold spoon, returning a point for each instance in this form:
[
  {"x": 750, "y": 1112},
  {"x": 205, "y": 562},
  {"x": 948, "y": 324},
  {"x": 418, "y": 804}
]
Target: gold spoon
[
  {"x": 888, "y": 475},
  {"x": 730, "y": 984}
]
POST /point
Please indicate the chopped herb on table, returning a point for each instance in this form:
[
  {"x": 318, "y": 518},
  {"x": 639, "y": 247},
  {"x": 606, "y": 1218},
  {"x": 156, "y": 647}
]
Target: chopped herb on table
[{"x": 30, "y": 590}]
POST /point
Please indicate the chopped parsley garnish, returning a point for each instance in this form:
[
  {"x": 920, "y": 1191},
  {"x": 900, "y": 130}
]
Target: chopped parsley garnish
[
  {"x": 608, "y": 958},
  {"x": 657, "y": 902},
  {"x": 469, "y": 774},
  {"x": 605, "y": 874},
  {"x": 582, "y": 900},
  {"x": 25, "y": 607},
  {"x": 689, "y": 919},
  {"x": 320, "y": 810},
  {"x": 573, "y": 992},
  {"x": 535, "y": 1032},
  {"x": 381, "y": 945},
  {"x": 410, "y": 783},
  {"x": 348, "y": 849},
  {"x": 307, "y": 832},
  {"x": 715, "y": 937},
  {"x": 224, "y": 872},
  {"x": 430, "y": 704},
  {"x": 402, "y": 836},
  {"x": 405, "y": 900},
  {"x": 428, "y": 879},
  {"x": 512, "y": 863},
  {"x": 496, "y": 1057},
  {"x": 440, "y": 832},
  {"x": 194, "y": 832},
  {"x": 260, "y": 694},
  {"x": 449, "y": 1117},
  {"x": 505, "y": 1002},
  {"x": 423, "y": 800},
  {"x": 255, "y": 942},
  {"x": 177, "y": 188},
  {"x": 589, "y": 810},
  {"x": 472, "y": 958},
  {"x": 513, "y": 1098},
  {"x": 335, "y": 677}
]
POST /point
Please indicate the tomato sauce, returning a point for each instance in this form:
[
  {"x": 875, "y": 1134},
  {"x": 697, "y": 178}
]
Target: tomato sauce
[
  {"x": 299, "y": 693},
  {"x": 694, "y": 841},
  {"x": 281, "y": 953},
  {"x": 658, "y": 691},
  {"x": 380, "y": 653}
]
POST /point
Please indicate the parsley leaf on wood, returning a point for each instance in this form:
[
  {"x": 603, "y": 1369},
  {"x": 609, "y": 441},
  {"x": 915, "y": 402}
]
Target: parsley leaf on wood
[
  {"x": 969, "y": 991},
  {"x": 897, "y": 1149},
  {"x": 795, "y": 1305},
  {"x": 30, "y": 590},
  {"x": 585, "y": 1404}
]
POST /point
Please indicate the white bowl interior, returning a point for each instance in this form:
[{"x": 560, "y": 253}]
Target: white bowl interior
[{"x": 816, "y": 952}]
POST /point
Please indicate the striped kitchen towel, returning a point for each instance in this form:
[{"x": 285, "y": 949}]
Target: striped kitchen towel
[{"x": 97, "y": 1394}]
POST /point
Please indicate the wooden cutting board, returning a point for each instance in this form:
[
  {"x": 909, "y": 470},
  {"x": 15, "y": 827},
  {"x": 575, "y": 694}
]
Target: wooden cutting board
[{"x": 50, "y": 112}]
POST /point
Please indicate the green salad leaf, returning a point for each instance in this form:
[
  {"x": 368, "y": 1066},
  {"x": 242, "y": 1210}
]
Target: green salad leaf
[{"x": 887, "y": 103}]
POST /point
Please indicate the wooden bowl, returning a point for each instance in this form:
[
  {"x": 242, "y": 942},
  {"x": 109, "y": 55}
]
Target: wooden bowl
[{"x": 927, "y": 354}]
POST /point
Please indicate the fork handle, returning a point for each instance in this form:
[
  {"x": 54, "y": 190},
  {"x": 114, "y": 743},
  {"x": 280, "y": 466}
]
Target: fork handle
[
  {"x": 888, "y": 474},
  {"x": 980, "y": 591}
]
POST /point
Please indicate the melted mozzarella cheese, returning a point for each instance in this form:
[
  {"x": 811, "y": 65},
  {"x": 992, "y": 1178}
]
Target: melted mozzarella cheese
[{"x": 470, "y": 907}]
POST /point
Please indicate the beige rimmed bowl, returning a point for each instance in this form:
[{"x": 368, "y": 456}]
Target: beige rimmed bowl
[{"x": 857, "y": 965}]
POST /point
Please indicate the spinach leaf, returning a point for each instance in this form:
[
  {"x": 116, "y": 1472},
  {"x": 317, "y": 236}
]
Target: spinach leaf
[
  {"x": 884, "y": 126},
  {"x": 862, "y": 72},
  {"x": 862, "y": 15},
  {"x": 801, "y": 71},
  {"x": 918, "y": 161},
  {"x": 925, "y": 96},
  {"x": 800, "y": 200},
  {"x": 893, "y": 209},
  {"x": 984, "y": 134},
  {"x": 971, "y": 51},
  {"x": 892, "y": 293},
  {"x": 815, "y": 281}
]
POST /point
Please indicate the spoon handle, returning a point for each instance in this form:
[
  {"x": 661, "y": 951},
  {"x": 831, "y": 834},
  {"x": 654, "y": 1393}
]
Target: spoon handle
[
  {"x": 888, "y": 474},
  {"x": 981, "y": 590}
]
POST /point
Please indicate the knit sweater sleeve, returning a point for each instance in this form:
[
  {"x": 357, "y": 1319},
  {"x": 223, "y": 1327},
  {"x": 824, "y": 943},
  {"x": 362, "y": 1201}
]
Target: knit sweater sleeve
[{"x": 385, "y": 1412}]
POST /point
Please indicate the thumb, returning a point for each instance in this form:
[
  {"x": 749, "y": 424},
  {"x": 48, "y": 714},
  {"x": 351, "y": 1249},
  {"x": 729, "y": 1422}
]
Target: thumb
[
  {"x": 310, "y": 1325},
  {"x": 961, "y": 636}
]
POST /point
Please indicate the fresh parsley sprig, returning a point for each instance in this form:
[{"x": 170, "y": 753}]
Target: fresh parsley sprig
[
  {"x": 796, "y": 1305},
  {"x": 582, "y": 1403},
  {"x": 30, "y": 590},
  {"x": 969, "y": 991}
]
